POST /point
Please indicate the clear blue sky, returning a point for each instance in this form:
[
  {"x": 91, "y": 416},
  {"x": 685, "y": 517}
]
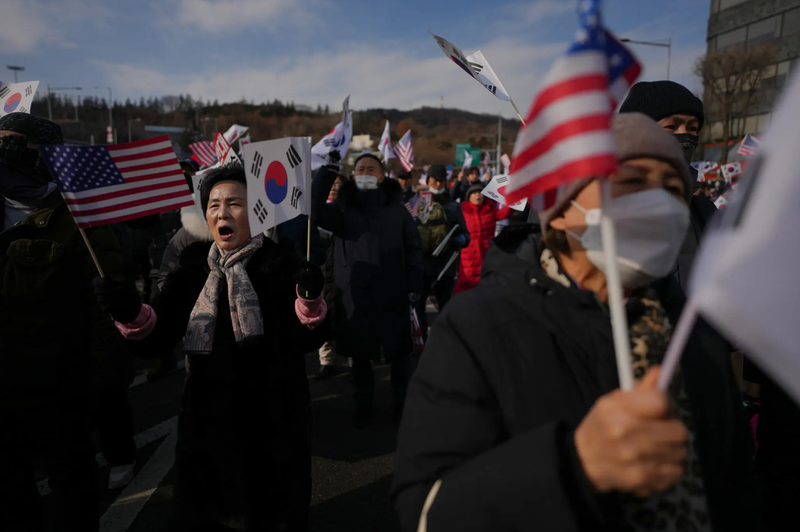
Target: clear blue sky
[{"x": 318, "y": 51}]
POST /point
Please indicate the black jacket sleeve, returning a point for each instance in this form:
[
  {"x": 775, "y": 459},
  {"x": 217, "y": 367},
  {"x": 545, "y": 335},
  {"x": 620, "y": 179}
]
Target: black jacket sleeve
[
  {"x": 326, "y": 215},
  {"x": 455, "y": 215},
  {"x": 412, "y": 245},
  {"x": 453, "y": 431},
  {"x": 173, "y": 306}
]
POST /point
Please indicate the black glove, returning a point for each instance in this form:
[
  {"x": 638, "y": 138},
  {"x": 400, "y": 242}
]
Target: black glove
[
  {"x": 118, "y": 297},
  {"x": 310, "y": 280}
]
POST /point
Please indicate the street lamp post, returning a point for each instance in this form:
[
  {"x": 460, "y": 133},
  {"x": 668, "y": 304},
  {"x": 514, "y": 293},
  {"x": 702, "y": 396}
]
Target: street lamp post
[
  {"x": 216, "y": 124},
  {"x": 110, "y": 106},
  {"x": 131, "y": 120},
  {"x": 668, "y": 46},
  {"x": 55, "y": 89},
  {"x": 16, "y": 69}
]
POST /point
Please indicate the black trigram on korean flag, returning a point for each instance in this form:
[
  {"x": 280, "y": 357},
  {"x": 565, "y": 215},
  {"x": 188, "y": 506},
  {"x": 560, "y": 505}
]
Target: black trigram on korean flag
[
  {"x": 4, "y": 91},
  {"x": 255, "y": 168},
  {"x": 28, "y": 90},
  {"x": 477, "y": 67},
  {"x": 260, "y": 211},
  {"x": 293, "y": 156},
  {"x": 501, "y": 180},
  {"x": 296, "y": 193},
  {"x": 491, "y": 89}
]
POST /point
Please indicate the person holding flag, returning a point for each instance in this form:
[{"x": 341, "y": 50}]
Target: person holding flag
[
  {"x": 378, "y": 274},
  {"x": 248, "y": 312},
  {"x": 53, "y": 335},
  {"x": 531, "y": 426}
]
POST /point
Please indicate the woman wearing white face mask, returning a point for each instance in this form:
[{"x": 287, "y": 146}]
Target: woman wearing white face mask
[{"x": 530, "y": 428}]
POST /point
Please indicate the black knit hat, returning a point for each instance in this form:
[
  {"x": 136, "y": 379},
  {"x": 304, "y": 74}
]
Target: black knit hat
[
  {"x": 660, "y": 99},
  {"x": 38, "y": 130},
  {"x": 438, "y": 172}
]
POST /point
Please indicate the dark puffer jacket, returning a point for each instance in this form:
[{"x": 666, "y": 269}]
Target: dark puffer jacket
[
  {"x": 377, "y": 264},
  {"x": 511, "y": 369},
  {"x": 54, "y": 339}
]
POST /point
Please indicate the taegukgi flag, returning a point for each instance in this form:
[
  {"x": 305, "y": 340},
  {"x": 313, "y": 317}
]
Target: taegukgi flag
[
  {"x": 456, "y": 56},
  {"x": 329, "y": 143},
  {"x": 385, "y": 144},
  {"x": 17, "y": 97},
  {"x": 278, "y": 181},
  {"x": 486, "y": 75},
  {"x": 223, "y": 150},
  {"x": 234, "y": 132}
]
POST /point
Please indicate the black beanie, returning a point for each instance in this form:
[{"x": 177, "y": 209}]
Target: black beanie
[
  {"x": 660, "y": 99},
  {"x": 38, "y": 130}
]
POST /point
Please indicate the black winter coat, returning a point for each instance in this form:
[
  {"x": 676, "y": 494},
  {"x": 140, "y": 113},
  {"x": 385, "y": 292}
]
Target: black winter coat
[
  {"x": 510, "y": 370},
  {"x": 243, "y": 453},
  {"x": 377, "y": 264}
]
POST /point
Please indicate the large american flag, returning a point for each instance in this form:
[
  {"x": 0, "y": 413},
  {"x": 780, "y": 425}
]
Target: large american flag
[
  {"x": 204, "y": 151},
  {"x": 749, "y": 146},
  {"x": 568, "y": 135},
  {"x": 405, "y": 152},
  {"x": 114, "y": 183}
]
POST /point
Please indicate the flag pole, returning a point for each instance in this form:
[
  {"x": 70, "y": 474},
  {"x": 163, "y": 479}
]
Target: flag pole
[
  {"x": 669, "y": 365},
  {"x": 619, "y": 322},
  {"x": 518, "y": 114},
  {"x": 91, "y": 252}
]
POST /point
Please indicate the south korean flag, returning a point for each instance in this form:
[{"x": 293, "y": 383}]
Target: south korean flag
[{"x": 278, "y": 181}]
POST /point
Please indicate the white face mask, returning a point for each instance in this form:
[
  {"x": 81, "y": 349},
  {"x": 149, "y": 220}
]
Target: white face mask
[
  {"x": 366, "y": 182},
  {"x": 650, "y": 227},
  {"x": 433, "y": 188}
]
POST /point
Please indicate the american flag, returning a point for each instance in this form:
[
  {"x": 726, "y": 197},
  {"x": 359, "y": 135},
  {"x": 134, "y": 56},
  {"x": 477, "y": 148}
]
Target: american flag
[
  {"x": 749, "y": 146},
  {"x": 204, "y": 151},
  {"x": 405, "y": 152},
  {"x": 114, "y": 183},
  {"x": 568, "y": 134}
]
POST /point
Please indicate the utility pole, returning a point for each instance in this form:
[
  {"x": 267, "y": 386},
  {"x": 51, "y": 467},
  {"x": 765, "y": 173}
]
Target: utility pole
[
  {"x": 499, "y": 145},
  {"x": 110, "y": 113},
  {"x": 16, "y": 69},
  {"x": 49, "y": 105}
]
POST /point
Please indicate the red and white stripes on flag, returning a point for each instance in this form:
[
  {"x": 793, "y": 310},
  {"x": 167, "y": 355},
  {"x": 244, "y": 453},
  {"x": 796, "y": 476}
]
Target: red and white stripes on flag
[
  {"x": 405, "y": 152},
  {"x": 115, "y": 183},
  {"x": 204, "y": 151}
]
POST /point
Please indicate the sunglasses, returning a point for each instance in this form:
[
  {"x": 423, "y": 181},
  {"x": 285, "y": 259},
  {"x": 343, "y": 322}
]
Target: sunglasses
[{"x": 14, "y": 141}]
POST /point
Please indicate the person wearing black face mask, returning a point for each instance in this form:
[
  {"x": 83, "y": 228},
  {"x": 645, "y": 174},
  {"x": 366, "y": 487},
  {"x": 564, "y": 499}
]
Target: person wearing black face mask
[
  {"x": 680, "y": 112},
  {"x": 54, "y": 339}
]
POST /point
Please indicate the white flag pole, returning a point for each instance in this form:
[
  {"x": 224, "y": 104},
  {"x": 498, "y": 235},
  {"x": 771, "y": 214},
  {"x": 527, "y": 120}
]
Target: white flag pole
[
  {"x": 669, "y": 365},
  {"x": 619, "y": 322}
]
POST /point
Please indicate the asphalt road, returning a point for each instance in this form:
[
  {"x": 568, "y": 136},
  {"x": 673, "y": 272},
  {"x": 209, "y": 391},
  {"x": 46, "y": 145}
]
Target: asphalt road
[{"x": 351, "y": 467}]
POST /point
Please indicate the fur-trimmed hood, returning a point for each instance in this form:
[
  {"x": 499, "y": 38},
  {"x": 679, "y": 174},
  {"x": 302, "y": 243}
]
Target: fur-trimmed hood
[{"x": 194, "y": 224}]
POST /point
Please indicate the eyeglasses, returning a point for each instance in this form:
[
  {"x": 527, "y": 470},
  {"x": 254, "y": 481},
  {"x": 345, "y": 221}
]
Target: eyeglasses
[{"x": 13, "y": 141}]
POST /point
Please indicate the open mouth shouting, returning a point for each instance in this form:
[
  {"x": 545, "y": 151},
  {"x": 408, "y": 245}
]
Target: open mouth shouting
[{"x": 225, "y": 233}]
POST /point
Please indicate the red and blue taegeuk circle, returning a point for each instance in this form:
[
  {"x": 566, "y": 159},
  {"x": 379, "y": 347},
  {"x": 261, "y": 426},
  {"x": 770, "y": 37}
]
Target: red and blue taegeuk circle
[
  {"x": 275, "y": 182},
  {"x": 12, "y": 102}
]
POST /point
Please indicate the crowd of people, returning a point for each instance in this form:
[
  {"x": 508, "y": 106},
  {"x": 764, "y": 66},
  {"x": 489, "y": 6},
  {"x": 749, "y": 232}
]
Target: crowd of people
[{"x": 510, "y": 417}]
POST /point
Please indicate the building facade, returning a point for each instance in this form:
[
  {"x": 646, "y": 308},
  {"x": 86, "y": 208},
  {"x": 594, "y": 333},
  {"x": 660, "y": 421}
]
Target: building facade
[{"x": 747, "y": 23}]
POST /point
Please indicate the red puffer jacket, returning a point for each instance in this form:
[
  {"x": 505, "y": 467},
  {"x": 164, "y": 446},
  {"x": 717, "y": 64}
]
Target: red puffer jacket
[{"x": 481, "y": 224}]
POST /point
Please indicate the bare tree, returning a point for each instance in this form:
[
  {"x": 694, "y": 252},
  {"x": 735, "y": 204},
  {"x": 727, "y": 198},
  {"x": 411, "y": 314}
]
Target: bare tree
[{"x": 731, "y": 79}]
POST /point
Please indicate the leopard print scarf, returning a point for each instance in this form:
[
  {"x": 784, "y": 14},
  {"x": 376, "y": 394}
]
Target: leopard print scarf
[{"x": 683, "y": 507}]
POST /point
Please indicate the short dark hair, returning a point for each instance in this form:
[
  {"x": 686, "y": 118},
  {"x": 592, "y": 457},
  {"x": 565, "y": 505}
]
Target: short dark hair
[
  {"x": 368, "y": 155},
  {"x": 230, "y": 172},
  {"x": 556, "y": 240},
  {"x": 474, "y": 169}
]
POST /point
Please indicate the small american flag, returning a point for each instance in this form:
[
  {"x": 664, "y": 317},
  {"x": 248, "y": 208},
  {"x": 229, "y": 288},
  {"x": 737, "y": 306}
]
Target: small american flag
[
  {"x": 405, "y": 152},
  {"x": 204, "y": 151},
  {"x": 749, "y": 146},
  {"x": 114, "y": 183},
  {"x": 568, "y": 134}
]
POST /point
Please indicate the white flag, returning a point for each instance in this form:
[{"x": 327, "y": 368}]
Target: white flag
[
  {"x": 345, "y": 115},
  {"x": 456, "y": 55},
  {"x": 222, "y": 148},
  {"x": 467, "y": 159},
  {"x": 244, "y": 140},
  {"x": 496, "y": 189},
  {"x": 234, "y": 132},
  {"x": 17, "y": 97},
  {"x": 487, "y": 77},
  {"x": 744, "y": 280},
  {"x": 506, "y": 163},
  {"x": 320, "y": 151},
  {"x": 278, "y": 181},
  {"x": 385, "y": 145}
]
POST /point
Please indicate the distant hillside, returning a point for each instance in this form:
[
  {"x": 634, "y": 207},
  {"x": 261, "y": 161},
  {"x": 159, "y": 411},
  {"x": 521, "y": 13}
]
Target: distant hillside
[{"x": 434, "y": 131}]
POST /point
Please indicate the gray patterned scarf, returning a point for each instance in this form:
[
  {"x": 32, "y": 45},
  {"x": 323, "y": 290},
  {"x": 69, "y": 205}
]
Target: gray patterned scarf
[{"x": 248, "y": 323}]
